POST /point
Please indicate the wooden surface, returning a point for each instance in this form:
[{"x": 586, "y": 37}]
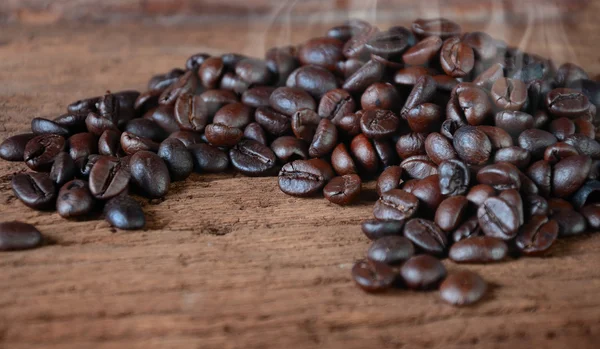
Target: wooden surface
[{"x": 231, "y": 262}]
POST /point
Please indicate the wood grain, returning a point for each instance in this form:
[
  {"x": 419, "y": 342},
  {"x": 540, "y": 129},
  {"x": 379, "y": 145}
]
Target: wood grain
[{"x": 231, "y": 262}]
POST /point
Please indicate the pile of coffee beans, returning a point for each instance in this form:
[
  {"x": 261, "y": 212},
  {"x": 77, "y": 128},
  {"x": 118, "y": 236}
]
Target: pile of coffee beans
[{"x": 480, "y": 151}]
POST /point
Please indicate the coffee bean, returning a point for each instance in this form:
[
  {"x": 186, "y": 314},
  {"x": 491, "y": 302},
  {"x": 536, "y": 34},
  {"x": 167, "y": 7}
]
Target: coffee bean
[
  {"x": 500, "y": 176},
  {"x": 252, "y": 158},
  {"x": 222, "y": 135},
  {"x": 132, "y": 144},
  {"x": 469, "y": 104},
  {"x": 16, "y": 236},
  {"x": 253, "y": 71},
  {"x": 423, "y": 272},
  {"x": 559, "y": 151},
  {"x": 257, "y": 96},
  {"x": 255, "y": 132},
  {"x": 304, "y": 124},
  {"x": 535, "y": 205},
  {"x": 567, "y": 102},
  {"x": 373, "y": 276},
  {"x": 424, "y": 117},
  {"x": 44, "y": 126},
  {"x": 343, "y": 190},
  {"x": 162, "y": 81},
  {"x": 438, "y": 148},
  {"x": 304, "y": 177},
  {"x": 109, "y": 143},
  {"x": 312, "y": 79},
  {"x": 325, "y": 52},
  {"x": 450, "y": 212},
  {"x": 540, "y": 173},
  {"x": 83, "y": 105},
  {"x": 555, "y": 205},
  {"x": 422, "y": 92},
  {"x": 426, "y": 235},
  {"x": 364, "y": 154},
  {"x": 149, "y": 173},
  {"x": 370, "y": 73},
  {"x": 108, "y": 178},
  {"x": 479, "y": 193},
  {"x": 355, "y": 47},
  {"x": 472, "y": 145},
  {"x": 536, "y": 141},
  {"x": 568, "y": 73},
  {"x": 537, "y": 235},
  {"x": 418, "y": 166},
  {"x": 341, "y": 161},
  {"x": 164, "y": 116},
  {"x": 483, "y": 45},
  {"x": 335, "y": 104},
  {"x": 454, "y": 177},
  {"x": 125, "y": 213},
  {"x": 498, "y": 218},
  {"x": 457, "y": 58},
  {"x": 41, "y": 150},
  {"x": 380, "y": 95},
  {"x": 216, "y": 99},
  {"x": 234, "y": 115},
  {"x": 391, "y": 249},
  {"x": 196, "y": 60},
  {"x": 341, "y": 32},
  {"x": 96, "y": 124},
  {"x": 325, "y": 139},
  {"x": 463, "y": 288},
  {"x": 288, "y": 148},
  {"x": 561, "y": 128},
  {"x": 514, "y": 155},
  {"x": 35, "y": 190},
  {"x": 146, "y": 128},
  {"x": 390, "y": 178},
  {"x": 396, "y": 204},
  {"x": 375, "y": 228},
  {"x": 74, "y": 199},
  {"x": 288, "y": 100},
  {"x": 478, "y": 249},
  {"x": 569, "y": 174},
  {"x": 423, "y": 51},
  {"x": 509, "y": 94},
  {"x": 441, "y": 27},
  {"x": 584, "y": 145},
  {"x": 570, "y": 223},
  {"x": 591, "y": 214},
  {"x": 210, "y": 71},
  {"x": 84, "y": 165},
  {"x": 469, "y": 228},
  {"x": 208, "y": 158},
  {"x": 409, "y": 76},
  {"x": 63, "y": 169},
  {"x": 177, "y": 158},
  {"x": 191, "y": 112},
  {"x": 411, "y": 144},
  {"x": 385, "y": 152},
  {"x": 429, "y": 194},
  {"x": 379, "y": 123},
  {"x": 513, "y": 122},
  {"x": 273, "y": 122},
  {"x": 82, "y": 145},
  {"x": 13, "y": 148}
]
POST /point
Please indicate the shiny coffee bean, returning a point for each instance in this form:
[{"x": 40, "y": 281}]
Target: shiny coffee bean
[
  {"x": 375, "y": 228},
  {"x": 537, "y": 236},
  {"x": 540, "y": 173},
  {"x": 469, "y": 104},
  {"x": 568, "y": 73},
  {"x": 454, "y": 177},
  {"x": 456, "y": 57},
  {"x": 536, "y": 141},
  {"x": 234, "y": 115},
  {"x": 324, "y": 52},
  {"x": 513, "y": 197},
  {"x": 304, "y": 177},
  {"x": 252, "y": 158},
  {"x": 483, "y": 45},
  {"x": 411, "y": 144},
  {"x": 364, "y": 154},
  {"x": 109, "y": 177},
  {"x": 472, "y": 145},
  {"x": 424, "y": 117},
  {"x": 257, "y": 96},
  {"x": 567, "y": 102},
  {"x": 569, "y": 174},
  {"x": 187, "y": 83},
  {"x": 83, "y": 105},
  {"x": 335, "y": 104},
  {"x": 555, "y": 205},
  {"x": 82, "y": 145},
  {"x": 325, "y": 139},
  {"x": 282, "y": 62},
  {"x": 500, "y": 176},
  {"x": 304, "y": 124},
  {"x": 390, "y": 178},
  {"x": 584, "y": 145},
  {"x": 438, "y": 148},
  {"x": 422, "y": 272},
  {"x": 488, "y": 77},
  {"x": 13, "y": 148},
  {"x": 559, "y": 151},
  {"x": 35, "y": 190},
  {"x": 409, "y": 76},
  {"x": 164, "y": 116},
  {"x": 273, "y": 122},
  {"x": 570, "y": 223},
  {"x": 513, "y": 122},
  {"x": 41, "y": 150},
  {"x": 146, "y": 128},
  {"x": 196, "y": 60},
  {"x": 478, "y": 249},
  {"x": 368, "y": 74},
  {"x": 210, "y": 72},
  {"x": 149, "y": 173},
  {"x": 418, "y": 167},
  {"x": 255, "y": 132},
  {"x": 222, "y": 135},
  {"x": 125, "y": 213},
  {"x": 379, "y": 123},
  {"x": 429, "y": 194},
  {"x": 216, "y": 99},
  {"x": 312, "y": 79},
  {"x": 479, "y": 193},
  {"x": 288, "y": 100},
  {"x": 380, "y": 95},
  {"x": 422, "y": 92},
  {"x": 423, "y": 52},
  {"x": 426, "y": 236},
  {"x": 497, "y": 136},
  {"x": 208, "y": 158},
  {"x": 561, "y": 128},
  {"x": 498, "y": 218},
  {"x": 390, "y": 44},
  {"x": 396, "y": 204},
  {"x": 586, "y": 194},
  {"x": 463, "y": 288},
  {"x": 391, "y": 250},
  {"x": 385, "y": 152},
  {"x": 84, "y": 165},
  {"x": 450, "y": 213},
  {"x": 191, "y": 112},
  {"x": 74, "y": 199},
  {"x": 131, "y": 143},
  {"x": 343, "y": 190},
  {"x": 509, "y": 94},
  {"x": 342, "y": 161},
  {"x": 253, "y": 71},
  {"x": 591, "y": 214},
  {"x": 44, "y": 126},
  {"x": 469, "y": 228},
  {"x": 178, "y": 159},
  {"x": 535, "y": 205},
  {"x": 373, "y": 276},
  {"x": 109, "y": 143},
  {"x": 16, "y": 236},
  {"x": 63, "y": 169},
  {"x": 514, "y": 155}
]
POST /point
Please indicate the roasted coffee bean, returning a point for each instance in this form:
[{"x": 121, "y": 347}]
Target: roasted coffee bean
[
  {"x": 514, "y": 155},
  {"x": 82, "y": 145},
  {"x": 304, "y": 124},
  {"x": 570, "y": 223},
  {"x": 513, "y": 197},
  {"x": 588, "y": 193},
  {"x": 463, "y": 288},
  {"x": 483, "y": 45},
  {"x": 535, "y": 205},
  {"x": 411, "y": 144},
  {"x": 385, "y": 152},
  {"x": 97, "y": 124},
  {"x": 559, "y": 151},
  {"x": 312, "y": 79},
  {"x": 252, "y": 158},
  {"x": 177, "y": 158},
  {"x": 561, "y": 128},
  {"x": 423, "y": 52},
  {"x": 109, "y": 143},
  {"x": 282, "y": 62},
  {"x": 210, "y": 71},
  {"x": 343, "y": 190},
  {"x": 341, "y": 161},
  {"x": 567, "y": 102},
  {"x": 288, "y": 148},
  {"x": 234, "y": 115},
  {"x": 418, "y": 167},
  {"x": 335, "y": 104},
  {"x": 222, "y": 135},
  {"x": 83, "y": 105},
  {"x": 426, "y": 236},
  {"x": 536, "y": 141},
  {"x": 41, "y": 150},
  {"x": 537, "y": 235},
  {"x": 191, "y": 112},
  {"x": 208, "y": 158},
  {"x": 16, "y": 236},
  {"x": 497, "y": 136},
  {"x": 146, "y": 128},
  {"x": 456, "y": 57},
  {"x": 438, "y": 148},
  {"x": 364, "y": 154},
  {"x": 109, "y": 177},
  {"x": 164, "y": 116},
  {"x": 257, "y": 96},
  {"x": 422, "y": 92},
  {"x": 162, "y": 81},
  {"x": 479, "y": 193},
  {"x": 273, "y": 122},
  {"x": 513, "y": 122},
  {"x": 569, "y": 174},
  {"x": 540, "y": 173},
  {"x": 509, "y": 94},
  {"x": 469, "y": 228},
  {"x": 445, "y": 83},
  {"x": 450, "y": 212},
  {"x": 253, "y": 71},
  {"x": 500, "y": 176},
  {"x": 409, "y": 76},
  {"x": 590, "y": 212},
  {"x": 498, "y": 218},
  {"x": 187, "y": 83},
  {"x": 488, "y": 77},
  {"x": 13, "y": 148},
  {"x": 584, "y": 145},
  {"x": 568, "y": 73},
  {"x": 216, "y": 99},
  {"x": 35, "y": 190},
  {"x": 422, "y": 272},
  {"x": 441, "y": 27},
  {"x": 391, "y": 249},
  {"x": 449, "y": 127},
  {"x": 555, "y": 205},
  {"x": 131, "y": 143},
  {"x": 469, "y": 104},
  {"x": 472, "y": 145},
  {"x": 390, "y": 178},
  {"x": 454, "y": 177},
  {"x": 380, "y": 95},
  {"x": 375, "y": 228},
  {"x": 288, "y": 100},
  {"x": 396, "y": 204},
  {"x": 304, "y": 177},
  {"x": 424, "y": 117},
  {"x": 390, "y": 44},
  {"x": 324, "y": 52},
  {"x": 232, "y": 82},
  {"x": 373, "y": 276},
  {"x": 63, "y": 169},
  {"x": 44, "y": 126},
  {"x": 348, "y": 67},
  {"x": 355, "y": 47},
  {"x": 325, "y": 139},
  {"x": 84, "y": 165},
  {"x": 379, "y": 123},
  {"x": 196, "y": 60},
  {"x": 149, "y": 173},
  {"x": 342, "y": 32},
  {"x": 125, "y": 213},
  {"x": 585, "y": 127},
  {"x": 429, "y": 194},
  {"x": 255, "y": 132},
  {"x": 478, "y": 249},
  {"x": 74, "y": 199},
  {"x": 368, "y": 74}
]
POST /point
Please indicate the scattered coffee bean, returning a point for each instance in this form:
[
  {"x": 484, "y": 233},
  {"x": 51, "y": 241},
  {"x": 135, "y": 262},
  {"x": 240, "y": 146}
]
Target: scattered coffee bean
[
  {"x": 478, "y": 249},
  {"x": 343, "y": 190},
  {"x": 422, "y": 272},
  {"x": 16, "y": 236},
  {"x": 463, "y": 288},
  {"x": 124, "y": 212},
  {"x": 373, "y": 276}
]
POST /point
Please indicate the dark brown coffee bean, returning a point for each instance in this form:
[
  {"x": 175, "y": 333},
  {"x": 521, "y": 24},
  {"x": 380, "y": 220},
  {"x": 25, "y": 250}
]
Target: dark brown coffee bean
[
  {"x": 591, "y": 214},
  {"x": 109, "y": 143},
  {"x": 456, "y": 57},
  {"x": 341, "y": 161},
  {"x": 450, "y": 212},
  {"x": 375, "y": 228},
  {"x": 162, "y": 81},
  {"x": 472, "y": 145},
  {"x": 396, "y": 204},
  {"x": 438, "y": 148},
  {"x": 418, "y": 167},
  {"x": 570, "y": 223},
  {"x": 149, "y": 173},
  {"x": 124, "y": 212},
  {"x": 479, "y": 193},
  {"x": 273, "y": 122},
  {"x": 514, "y": 155},
  {"x": 35, "y": 190},
  {"x": 561, "y": 128},
  {"x": 380, "y": 95},
  {"x": 216, "y": 99},
  {"x": 463, "y": 288},
  {"x": 41, "y": 150},
  {"x": 208, "y": 158},
  {"x": 385, "y": 152},
  {"x": 252, "y": 158},
  {"x": 391, "y": 249},
  {"x": 422, "y": 92},
  {"x": 537, "y": 236},
  {"x": 379, "y": 123},
  {"x": 355, "y": 47},
  {"x": 255, "y": 132},
  {"x": 540, "y": 173},
  {"x": 232, "y": 82},
  {"x": 191, "y": 112},
  {"x": 341, "y": 32},
  {"x": 567, "y": 102},
  {"x": 325, "y": 139},
  {"x": 454, "y": 177},
  {"x": 569, "y": 73},
  {"x": 253, "y": 71},
  {"x": 222, "y": 135},
  {"x": 195, "y": 61},
  {"x": 210, "y": 72},
  {"x": 422, "y": 272},
  {"x": 343, "y": 190},
  {"x": 83, "y": 105},
  {"x": 569, "y": 174},
  {"x": 509, "y": 94},
  {"x": 84, "y": 165},
  {"x": 177, "y": 158},
  {"x": 370, "y": 73},
  {"x": 364, "y": 154},
  {"x": 63, "y": 169},
  {"x": 426, "y": 235},
  {"x": 466, "y": 230},
  {"x": 513, "y": 122},
  {"x": 164, "y": 116},
  {"x": 131, "y": 143},
  {"x": 488, "y": 77},
  {"x": 424, "y": 117},
  {"x": 584, "y": 145},
  {"x": 288, "y": 100},
  {"x": 44, "y": 126},
  {"x": 513, "y": 197},
  {"x": 441, "y": 27},
  {"x": 312, "y": 79},
  {"x": 484, "y": 46},
  {"x": 373, "y": 276},
  {"x": 13, "y": 148},
  {"x": 304, "y": 177},
  {"x": 409, "y": 76},
  {"x": 234, "y": 115},
  {"x": 469, "y": 104},
  {"x": 423, "y": 51},
  {"x": 535, "y": 205},
  {"x": 304, "y": 124},
  {"x": 500, "y": 176},
  {"x": 108, "y": 178},
  {"x": 498, "y": 218},
  {"x": 536, "y": 141},
  {"x": 74, "y": 199},
  {"x": 555, "y": 205},
  {"x": 390, "y": 178},
  {"x": 146, "y": 128},
  {"x": 97, "y": 124},
  {"x": 82, "y": 145},
  {"x": 497, "y": 136},
  {"x": 585, "y": 127},
  {"x": 325, "y": 52},
  {"x": 559, "y": 151},
  {"x": 335, "y": 104},
  {"x": 429, "y": 194},
  {"x": 187, "y": 83},
  {"x": 478, "y": 249},
  {"x": 16, "y": 236},
  {"x": 411, "y": 144},
  {"x": 390, "y": 44},
  {"x": 257, "y": 96}
]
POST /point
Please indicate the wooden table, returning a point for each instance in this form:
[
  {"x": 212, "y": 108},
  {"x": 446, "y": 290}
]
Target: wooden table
[{"x": 228, "y": 261}]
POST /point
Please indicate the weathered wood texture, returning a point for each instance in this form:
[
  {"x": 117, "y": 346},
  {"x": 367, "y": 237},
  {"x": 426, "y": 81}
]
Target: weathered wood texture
[{"x": 231, "y": 262}]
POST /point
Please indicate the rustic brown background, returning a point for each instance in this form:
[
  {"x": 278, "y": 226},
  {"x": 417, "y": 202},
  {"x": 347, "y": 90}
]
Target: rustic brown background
[{"x": 230, "y": 262}]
